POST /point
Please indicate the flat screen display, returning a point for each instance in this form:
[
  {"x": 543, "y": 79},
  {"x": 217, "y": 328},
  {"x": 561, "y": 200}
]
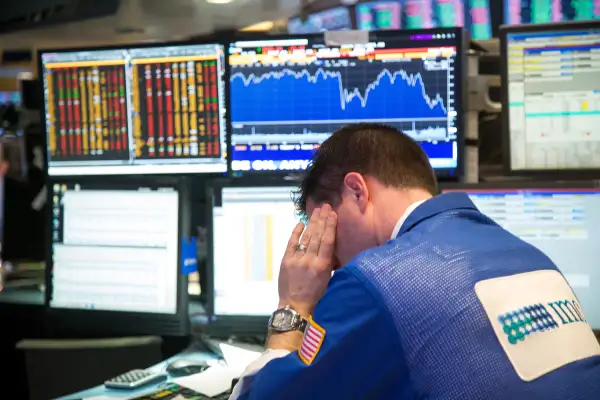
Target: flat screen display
[
  {"x": 114, "y": 249},
  {"x": 289, "y": 95},
  {"x": 553, "y": 99},
  {"x": 146, "y": 110}
]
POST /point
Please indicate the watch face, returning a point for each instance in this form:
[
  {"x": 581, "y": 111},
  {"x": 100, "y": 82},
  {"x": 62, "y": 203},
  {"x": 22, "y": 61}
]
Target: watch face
[{"x": 282, "y": 319}]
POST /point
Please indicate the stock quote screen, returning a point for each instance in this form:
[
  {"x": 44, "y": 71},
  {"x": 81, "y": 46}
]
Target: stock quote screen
[
  {"x": 288, "y": 96},
  {"x": 553, "y": 93},
  {"x": 135, "y": 111},
  {"x": 547, "y": 11},
  {"x": 474, "y": 15}
]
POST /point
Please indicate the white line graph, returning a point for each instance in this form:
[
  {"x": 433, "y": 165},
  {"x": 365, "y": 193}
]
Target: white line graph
[{"x": 346, "y": 96}]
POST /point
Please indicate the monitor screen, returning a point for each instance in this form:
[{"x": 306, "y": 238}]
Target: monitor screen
[
  {"x": 552, "y": 99},
  {"x": 136, "y": 110},
  {"x": 115, "y": 249},
  {"x": 563, "y": 223},
  {"x": 473, "y": 15},
  {"x": 334, "y": 19},
  {"x": 545, "y": 11},
  {"x": 8, "y": 97},
  {"x": 251, "y": 228},
  {"x": 289, "y": 95},
  {"x": 378, "y": 15}
]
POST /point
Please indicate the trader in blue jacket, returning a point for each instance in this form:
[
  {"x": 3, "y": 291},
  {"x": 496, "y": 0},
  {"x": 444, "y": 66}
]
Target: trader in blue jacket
[{"x": 432, "y": 298}]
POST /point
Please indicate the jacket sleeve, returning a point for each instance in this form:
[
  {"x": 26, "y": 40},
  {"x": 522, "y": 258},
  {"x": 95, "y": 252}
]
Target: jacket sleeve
[{"x": 355, "y": 352}]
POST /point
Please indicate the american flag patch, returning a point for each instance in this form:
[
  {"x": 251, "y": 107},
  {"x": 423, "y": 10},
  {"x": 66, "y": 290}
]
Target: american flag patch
[{"x": 311, "y": 344}]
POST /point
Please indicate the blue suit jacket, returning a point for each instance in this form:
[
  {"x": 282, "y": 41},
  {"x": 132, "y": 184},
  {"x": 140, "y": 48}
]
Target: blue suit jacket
[{"x": 404, "y": 321}]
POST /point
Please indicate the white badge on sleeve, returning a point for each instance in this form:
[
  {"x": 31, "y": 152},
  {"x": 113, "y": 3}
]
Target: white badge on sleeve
[{"x": 538, "y": 321}]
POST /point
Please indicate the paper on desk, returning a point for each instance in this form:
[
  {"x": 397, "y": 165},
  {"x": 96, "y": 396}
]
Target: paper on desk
[
  {"x": 210, "y": 382},
  {"x": 238, "y": 359}
]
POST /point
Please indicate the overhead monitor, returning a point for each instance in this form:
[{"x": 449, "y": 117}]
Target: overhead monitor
[
  {"x": 115, "y": 256},
  {"x": 563, "y": 221},
  {"x": 289, "y": 94},
  {"x": 547, "y": 11},
  {"x": 250, "y": 228},
  {"x": 156, "y": 109},
  {"x": 377, "y": 15},
  {"x": 551, "y": 97},
  {"x": 333, "y": 19},
  {"x": 473, "y": 15}
]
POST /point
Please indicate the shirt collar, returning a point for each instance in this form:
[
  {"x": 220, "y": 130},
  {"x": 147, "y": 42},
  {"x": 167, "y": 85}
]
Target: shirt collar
[{"x": 404, "y": 216}]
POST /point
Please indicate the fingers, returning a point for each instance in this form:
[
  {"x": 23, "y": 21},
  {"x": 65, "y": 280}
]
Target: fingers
[
  {"x": 294, "y": 238},
  {"x": 327, "y": 247},
  {"x": 317, "y": 228},
  {"x": 308, "y": 232}
]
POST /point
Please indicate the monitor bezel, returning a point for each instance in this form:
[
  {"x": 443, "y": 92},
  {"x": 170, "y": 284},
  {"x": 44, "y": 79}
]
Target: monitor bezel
[
  {"x": 462, "y": 41},
  {"x": 232, "y": 325},
  {"x": 124, "y": 322},
  {"x": 506, "y": 30},
  {"x": 191, "y": 42}
]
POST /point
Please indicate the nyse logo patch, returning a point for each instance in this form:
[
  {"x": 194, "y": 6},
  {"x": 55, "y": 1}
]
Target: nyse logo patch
[
  {"x": 532, "y": 314},
  {"x": 536, "y": 319}
]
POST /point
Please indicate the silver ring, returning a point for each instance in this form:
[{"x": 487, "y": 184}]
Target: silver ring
[{"x": 301, "y": 248}]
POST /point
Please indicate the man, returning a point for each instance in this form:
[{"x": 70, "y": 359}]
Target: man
[{"x": 432, "y": 300}]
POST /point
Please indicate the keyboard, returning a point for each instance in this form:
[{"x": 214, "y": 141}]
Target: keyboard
[
  {"x": 133, "y": 379},
  {"x": 171, "y": 390}
]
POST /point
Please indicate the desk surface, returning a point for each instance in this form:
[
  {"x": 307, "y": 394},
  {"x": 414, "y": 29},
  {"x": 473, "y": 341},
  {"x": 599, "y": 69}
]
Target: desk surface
[{"x": 102, "y": 391}]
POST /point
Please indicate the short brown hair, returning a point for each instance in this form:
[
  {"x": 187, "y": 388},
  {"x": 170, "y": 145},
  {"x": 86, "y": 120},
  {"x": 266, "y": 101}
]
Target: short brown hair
[{"x": 380, "y": 151}]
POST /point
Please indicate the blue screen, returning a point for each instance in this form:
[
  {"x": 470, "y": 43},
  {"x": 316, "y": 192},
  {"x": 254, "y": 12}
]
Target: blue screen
[{"x": 287, "y": 97}]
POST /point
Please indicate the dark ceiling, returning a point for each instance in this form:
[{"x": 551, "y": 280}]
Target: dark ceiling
[{"x": 29, "y": 14}]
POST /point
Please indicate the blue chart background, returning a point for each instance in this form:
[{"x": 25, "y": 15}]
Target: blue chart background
[{"x": 351, "y": 94}]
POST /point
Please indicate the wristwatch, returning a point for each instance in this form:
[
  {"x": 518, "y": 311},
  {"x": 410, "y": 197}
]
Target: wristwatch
[{"x": 286, "y": 319}]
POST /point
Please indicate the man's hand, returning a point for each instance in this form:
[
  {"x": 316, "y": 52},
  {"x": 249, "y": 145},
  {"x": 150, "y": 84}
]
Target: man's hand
[
  {"x": 308, "y": 262},
  {"x": 305, "y": 271}
]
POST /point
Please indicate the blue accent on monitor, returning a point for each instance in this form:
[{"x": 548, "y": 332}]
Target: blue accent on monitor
[{"x": 331, "y": 100}]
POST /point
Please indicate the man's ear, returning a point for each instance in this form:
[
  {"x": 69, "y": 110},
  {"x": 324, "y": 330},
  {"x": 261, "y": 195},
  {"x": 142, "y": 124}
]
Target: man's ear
[{"x": 356, "y": 187}]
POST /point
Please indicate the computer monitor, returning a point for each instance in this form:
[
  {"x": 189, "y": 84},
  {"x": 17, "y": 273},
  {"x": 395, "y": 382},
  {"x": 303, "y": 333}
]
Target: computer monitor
[
  {"x": 10, "y": 97},
  {"x": 551, "y": 98},
  {"x": 248, "y": 233},
  {"x": 115, "y": 262},
  {"x": 147, "y": 109},
  {"x": 333, "y": 19},
  {"x": 376, "y": 15},
  {"x": 289, "y": 94},
  {"x": 547, "y": 11},
  {"x": 473, "y": 15},
  {"x": 562, "y": 220}
]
